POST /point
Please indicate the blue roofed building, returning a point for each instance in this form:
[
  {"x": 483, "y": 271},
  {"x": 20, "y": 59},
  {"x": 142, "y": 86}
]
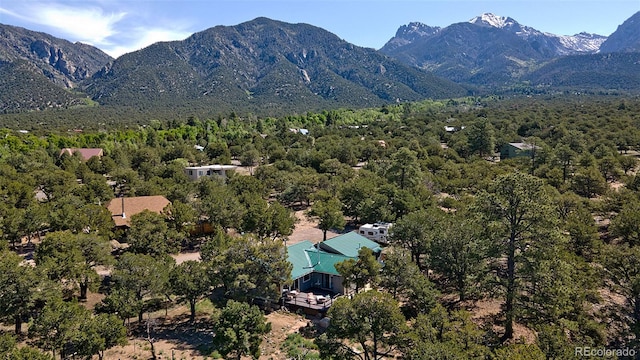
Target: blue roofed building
[
  {"x": 514, "y": 150},
  {"x": 349, "y": 244},
  {"x": 314, "y": 265}
]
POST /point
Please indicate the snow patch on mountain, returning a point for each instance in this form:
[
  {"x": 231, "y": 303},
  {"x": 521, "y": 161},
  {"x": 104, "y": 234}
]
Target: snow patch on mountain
[
  {"x": 563, "y": 44},
  {"x": 505, "y": 23},
  {"x": 489, "y": 19},
  {"x": 581, "y": 43},
  {"x": 547, "y": 43}
]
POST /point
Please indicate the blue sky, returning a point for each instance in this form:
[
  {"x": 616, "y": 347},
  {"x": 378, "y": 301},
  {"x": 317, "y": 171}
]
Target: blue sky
[{"x": 120, "y": 26}]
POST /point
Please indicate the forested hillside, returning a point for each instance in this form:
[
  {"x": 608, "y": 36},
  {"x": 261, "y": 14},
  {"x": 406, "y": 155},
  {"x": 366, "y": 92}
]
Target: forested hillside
[
  {"x": 604, "y": 72},
  {"x": 263, "y": 66},
  {"x": 23, "y": 88},
  {"x": 548, "y": 240},
  {"x": 39, "y": 71},
  {"x": 273, "y": 68}
]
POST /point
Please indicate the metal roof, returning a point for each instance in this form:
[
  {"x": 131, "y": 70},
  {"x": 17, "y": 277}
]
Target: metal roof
[
  {"x": 212, "y": 167},
  {"x": 349, "y": 244},
  {"x": 297, "y": 256},
  {"x": 326, "y": 262},
  {"x": 524, "y": 146},
  {"x": 307, "y": 258}
]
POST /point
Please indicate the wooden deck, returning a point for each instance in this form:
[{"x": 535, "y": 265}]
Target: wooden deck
[{"x": 312, "y": 302}]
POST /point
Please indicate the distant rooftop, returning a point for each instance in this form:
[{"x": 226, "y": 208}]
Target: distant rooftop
[
  {"x": 86, "y": 153},
  {"x": 135, "y": 205},
  {"x": 524, "y": 146},
  {"x": 212, "y": 167}
]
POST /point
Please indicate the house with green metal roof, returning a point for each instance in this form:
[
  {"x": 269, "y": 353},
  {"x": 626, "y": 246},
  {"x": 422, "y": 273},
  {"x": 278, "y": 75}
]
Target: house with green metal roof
[
  {"x": 349, "y": 244},
  {"x": 314, "y": 265}
]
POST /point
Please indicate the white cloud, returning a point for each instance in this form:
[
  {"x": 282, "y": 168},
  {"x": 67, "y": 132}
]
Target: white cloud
[
  {"x": 143, "y": 38},
  {"x": 115, "y": 27},
  {"x": 10, "y": 13},
  {"x": 89, "y": 24}
]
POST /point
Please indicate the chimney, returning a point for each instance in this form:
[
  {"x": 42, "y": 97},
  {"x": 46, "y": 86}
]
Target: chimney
[{"x": 123, "y": 215}]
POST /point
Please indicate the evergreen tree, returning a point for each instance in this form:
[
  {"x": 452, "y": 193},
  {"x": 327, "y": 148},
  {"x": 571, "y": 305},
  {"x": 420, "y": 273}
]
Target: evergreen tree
[
  {"x": 365, "y": 270},
  {"x": 58, "y": 327},
  {"x": 626, "y": 224},
  {"x": 329, "y": 215},
  {"x": 415, "y": 233},
  {"x": 17, "y": 288},
  {"x": 247, "y": 267},
  {"x": 142, "y": 276},
  {"x": 404, "y": 169},
  {"x": 622, "y": 267},
  {"x": 71, "y": 259},
  {"x": 149, "y": 234},
  {"x": 219, "y": 204},
  {"x": 189, "y": 279},
  {"x": 239, "y": 330},
  {"x": 519, "y": 218},
  {"x": 481, "y": 138},
  {"x": 371, "y": 319},
  {"x": 459, "y": 254}
]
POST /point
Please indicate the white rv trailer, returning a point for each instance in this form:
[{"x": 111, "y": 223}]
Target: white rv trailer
[{"x": 377, "y": 232}]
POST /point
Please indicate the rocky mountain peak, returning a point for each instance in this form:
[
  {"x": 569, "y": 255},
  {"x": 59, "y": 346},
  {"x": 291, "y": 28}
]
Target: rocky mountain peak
[
  {"x": 409, "y": 33},
  {"x": 626, "y": 38},
  {"x": 492, "y": 20},
  {"x": 63, "y": 62},
  {"x": 414, "y": 29}
]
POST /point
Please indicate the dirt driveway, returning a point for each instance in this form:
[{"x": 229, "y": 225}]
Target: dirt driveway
[{"x": 305, "y": 230}]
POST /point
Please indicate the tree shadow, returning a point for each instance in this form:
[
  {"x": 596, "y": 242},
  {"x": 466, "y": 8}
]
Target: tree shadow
[{"x": 180, "y": 331}]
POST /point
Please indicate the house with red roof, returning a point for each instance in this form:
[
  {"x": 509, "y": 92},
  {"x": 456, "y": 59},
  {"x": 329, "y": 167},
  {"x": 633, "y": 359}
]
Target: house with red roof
[
  {"x": 85, "y": 153},
  {"x": 124, "y": 207}
]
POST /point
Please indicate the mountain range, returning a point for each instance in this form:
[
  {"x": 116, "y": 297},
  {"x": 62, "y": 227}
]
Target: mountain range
[
  {"x": 626, "y": 38},
  {"x": 38, "y": 70},
  {"x": 264, "y": 64},
  {"x": 492, "y": 51},
  {"x": 270, "y": 67}
]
